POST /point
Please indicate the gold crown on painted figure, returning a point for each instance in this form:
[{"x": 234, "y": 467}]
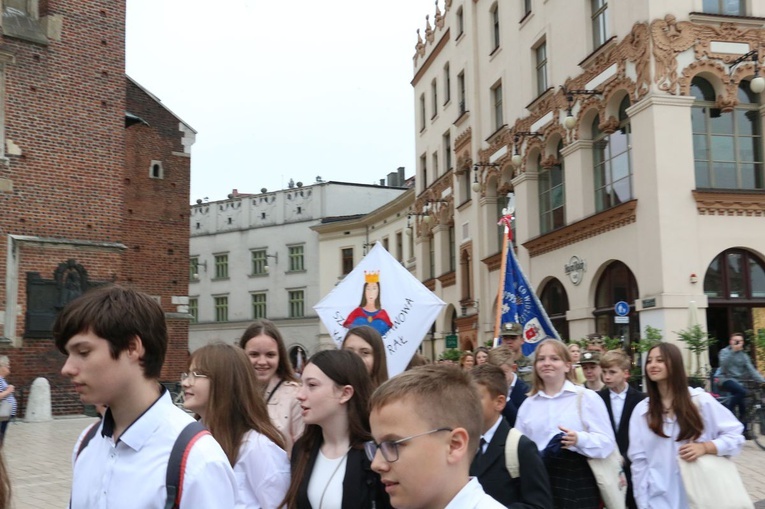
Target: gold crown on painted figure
[{"x": 372, "y": 276}]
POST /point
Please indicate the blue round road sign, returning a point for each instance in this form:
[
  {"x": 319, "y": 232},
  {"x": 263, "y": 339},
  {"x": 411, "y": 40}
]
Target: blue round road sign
[{"x": 622, "y": 308}]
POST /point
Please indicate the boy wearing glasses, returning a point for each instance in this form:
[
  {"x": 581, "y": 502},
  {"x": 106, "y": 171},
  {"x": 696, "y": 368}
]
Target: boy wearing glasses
[
  {"x": 426, "y": 425},
  {"x": 115, "y": 341}
]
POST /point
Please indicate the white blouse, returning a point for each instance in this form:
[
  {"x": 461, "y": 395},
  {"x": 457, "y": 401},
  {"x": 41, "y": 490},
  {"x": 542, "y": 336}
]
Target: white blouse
[
  {"x": 262, "y": 473},
  {"x": 655, "y": 471},
  {"x": 540, "y": 416}
]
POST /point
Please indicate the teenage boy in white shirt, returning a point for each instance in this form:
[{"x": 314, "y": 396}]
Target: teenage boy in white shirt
[
  {"x": 115, "y": 340},
  {"x": 436, "y": 413},
  {"x": 620, "y": 400}
]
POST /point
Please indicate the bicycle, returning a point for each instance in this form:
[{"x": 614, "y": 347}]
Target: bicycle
[{"x": 755, "y": 413}]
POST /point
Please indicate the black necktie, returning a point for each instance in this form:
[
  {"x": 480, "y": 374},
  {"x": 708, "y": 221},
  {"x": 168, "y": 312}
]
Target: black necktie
[{"x": 480, "y": 449}]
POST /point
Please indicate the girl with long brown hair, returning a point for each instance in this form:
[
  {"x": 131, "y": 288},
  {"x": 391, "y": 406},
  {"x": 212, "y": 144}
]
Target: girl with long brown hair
[
  {"x": 222, "y": 390},
  {"x": 264, "y": 346},
  {"x": 329, "y": 466},
  {"x": 368, "y": 344},
  {"x": 675, "y": 421}
]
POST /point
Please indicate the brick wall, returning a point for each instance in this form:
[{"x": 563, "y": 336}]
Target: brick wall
[{"x": 80, "y": 175}]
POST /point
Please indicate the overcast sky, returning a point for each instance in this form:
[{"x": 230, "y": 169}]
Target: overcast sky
[{"x": 282, "y": 89}]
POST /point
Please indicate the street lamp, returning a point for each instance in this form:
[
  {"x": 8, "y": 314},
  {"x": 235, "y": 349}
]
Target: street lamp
[
  {"x": 569, "y": 122},
  {"x": 757, "y": 85},
  {"x": 517, "y": 159}
]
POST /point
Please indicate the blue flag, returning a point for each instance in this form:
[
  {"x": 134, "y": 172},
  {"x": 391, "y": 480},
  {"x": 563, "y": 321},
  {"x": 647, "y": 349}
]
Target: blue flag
[{"x": 520, "y": 304}]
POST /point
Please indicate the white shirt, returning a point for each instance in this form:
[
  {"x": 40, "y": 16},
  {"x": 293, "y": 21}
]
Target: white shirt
[
  {"x": 540, "y": 415},
  {"x": 472, "y": 496},
  {"x": 131, "y": 473},
  {"x": 327, "y": 481},
  {"x": 490, "y": 434},
  {"x": 262, "y": 473},
  {"x": 617, "y": 404},
  {"x": 655, "y": 471}
]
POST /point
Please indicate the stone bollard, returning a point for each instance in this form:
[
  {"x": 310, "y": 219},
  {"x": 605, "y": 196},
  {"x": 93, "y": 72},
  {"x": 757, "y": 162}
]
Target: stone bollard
[{"x": 38, "y": 402}]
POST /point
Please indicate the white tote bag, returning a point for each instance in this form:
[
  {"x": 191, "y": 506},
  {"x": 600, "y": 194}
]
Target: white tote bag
[
  {"x": 713, "y": 482},
  {"x": 6, "y": 407}
]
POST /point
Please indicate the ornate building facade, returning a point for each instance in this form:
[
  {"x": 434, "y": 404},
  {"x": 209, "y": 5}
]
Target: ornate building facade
[{"x": 630, "y": 136}]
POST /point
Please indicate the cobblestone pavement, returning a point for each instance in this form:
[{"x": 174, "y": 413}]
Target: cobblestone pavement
[{"x": 39, "y": 462}]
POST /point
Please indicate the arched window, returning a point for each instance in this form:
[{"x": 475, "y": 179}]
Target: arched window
[
  {"x": 611, "y": 157},
  {"x": 735, "y": 286},
  {"x": 727, "y": 146},
  {"x": 616, "y": 284},
  {"x": 555, "y": 301},
  {"x": 552, "y": 195}
]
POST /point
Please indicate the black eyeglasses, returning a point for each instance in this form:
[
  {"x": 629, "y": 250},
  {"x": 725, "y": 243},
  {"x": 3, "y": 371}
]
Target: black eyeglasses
[
  {"x": 389, "y": 448},
  {"x": 192, "y": 377}
]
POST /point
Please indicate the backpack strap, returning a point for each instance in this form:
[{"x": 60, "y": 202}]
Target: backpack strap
[
  {"x": 176, "y": 464},
  {"x": 87, "y": 438},
  {"x": 511, "y": 453}
]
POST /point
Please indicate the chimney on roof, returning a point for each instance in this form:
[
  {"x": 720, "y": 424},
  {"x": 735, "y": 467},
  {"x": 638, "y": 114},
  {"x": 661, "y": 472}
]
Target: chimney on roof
[
  {"x": 382, "y": 182},
  {"x": 401, "y": 176},
  {"x": 393, "y": 179}
]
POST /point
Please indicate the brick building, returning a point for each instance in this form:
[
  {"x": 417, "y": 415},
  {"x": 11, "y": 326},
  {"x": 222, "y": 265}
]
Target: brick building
[{"x": 94, "y": 182}]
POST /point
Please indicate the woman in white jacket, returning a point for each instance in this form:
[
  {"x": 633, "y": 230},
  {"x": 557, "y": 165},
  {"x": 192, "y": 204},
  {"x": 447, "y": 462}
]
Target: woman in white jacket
[{"x": 674, "y": 422}]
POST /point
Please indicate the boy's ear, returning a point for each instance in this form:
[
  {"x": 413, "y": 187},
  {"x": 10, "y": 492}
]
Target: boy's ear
[
  {"x": 459, "y": 444},
  {"x": 499, "y": 402},
  {"x": 135, "y": 349}
]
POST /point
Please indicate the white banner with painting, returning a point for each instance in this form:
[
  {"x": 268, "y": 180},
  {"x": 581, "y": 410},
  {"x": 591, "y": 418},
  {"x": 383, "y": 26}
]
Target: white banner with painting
[{"x": 381, "y": 293}]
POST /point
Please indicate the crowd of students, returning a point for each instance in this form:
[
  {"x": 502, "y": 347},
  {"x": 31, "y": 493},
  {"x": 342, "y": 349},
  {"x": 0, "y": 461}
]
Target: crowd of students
[{"x": 343, "y": 435}]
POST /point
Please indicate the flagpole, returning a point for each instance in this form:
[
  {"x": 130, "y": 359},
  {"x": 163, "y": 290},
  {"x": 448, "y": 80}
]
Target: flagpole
[{"x": 500, "y": 290}]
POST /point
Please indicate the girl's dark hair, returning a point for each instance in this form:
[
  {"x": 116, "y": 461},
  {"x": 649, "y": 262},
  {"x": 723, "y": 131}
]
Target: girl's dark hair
[
  {"x": 235, "y": 405},
  {"x": 370, "y": 335},
  {"x": 284, "y": 369},
  {"x": 378, "y": 303},
  {"x": 343, "y": 367},
  {"x": 688, "y": 415}
]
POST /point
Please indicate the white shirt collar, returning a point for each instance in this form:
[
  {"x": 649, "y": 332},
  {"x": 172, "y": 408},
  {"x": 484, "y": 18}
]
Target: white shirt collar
[
  {"x": 567, "y": 387},
  {"x": 618, "y": 395},
  {"x": 490, "y": 432}
]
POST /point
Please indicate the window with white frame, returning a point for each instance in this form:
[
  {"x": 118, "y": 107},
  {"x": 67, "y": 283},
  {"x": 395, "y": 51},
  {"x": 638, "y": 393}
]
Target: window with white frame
[
  {"x": 460, "y": 22},
  {"x": 496, "y": 98},
  {"x": 259, "y": 309},
  {"x": 221, "y": 266},
  {"x": 156, "y": 171},
  {"x": 495, "y": 26},
  {"x": 259, "y": 262},
  {"x": 552, "y": 195},
  {"x": 194, "y": 309},
  {"x": 452, "y": 249},
  {"x": 296, "y": 303},
  {"x": 193, "y": 268},
  {"x": 424, "y": 168},
  {"x": 434, "y": 97},
  {"x": 599, "y": 9},
  {"x": 220, "y": 305},
  {"x": 422, "y": 112},
  {"x": 435, "y": 164},
  {"x": 727, "y": 7},
  {"x": 431, "y": 258},
  {"x": 526, "y": 7},
  {"x": 447, "y": 139},
  {"x": 612, "y": 162},
  {"x": 727, "y": 146},
  {"x": 461, "y": 92},
  {"x": 540, "y": 53},
  {"x": 296, "y": 257},
  {"x": 447, "y": 84}
]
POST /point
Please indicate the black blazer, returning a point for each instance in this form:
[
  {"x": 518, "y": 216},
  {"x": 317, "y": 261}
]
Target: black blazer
[
  {"x": 631, "y": 400},
  {"x": 529, "y": 491},
  {"x": 362, "y": 488},
  {"x": 517, "y": 396}
]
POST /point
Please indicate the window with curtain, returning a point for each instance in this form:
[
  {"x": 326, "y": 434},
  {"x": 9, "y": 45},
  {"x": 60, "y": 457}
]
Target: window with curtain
[
  {"x": 552, "y": 195},
  {"x": 612, "y": 162},
  {"x": 727, "y": 146}
]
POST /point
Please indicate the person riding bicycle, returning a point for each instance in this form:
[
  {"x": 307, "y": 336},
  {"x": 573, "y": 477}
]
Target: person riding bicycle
[{"x": 735, "y": 367}]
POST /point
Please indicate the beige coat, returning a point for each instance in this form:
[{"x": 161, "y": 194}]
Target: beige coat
[{"x": 284, "y": 410}]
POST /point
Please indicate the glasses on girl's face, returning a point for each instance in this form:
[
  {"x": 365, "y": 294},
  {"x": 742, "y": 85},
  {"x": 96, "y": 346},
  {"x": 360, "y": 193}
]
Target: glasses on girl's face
[
  {"x": 389, "y": 448},
  {"x": 192, "y": 377}
]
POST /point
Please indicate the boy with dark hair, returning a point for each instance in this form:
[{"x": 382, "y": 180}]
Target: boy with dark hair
[
  {"x": 530, "y": 487},
  {"x": 436, "y": 412},
  {"x": 621, "y": 400},
  {"x": 115, "y": 341}
]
